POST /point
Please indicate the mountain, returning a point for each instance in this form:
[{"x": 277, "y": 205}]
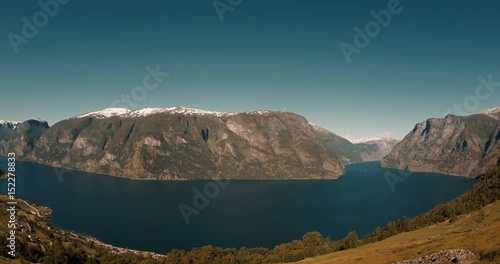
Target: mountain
[
  {"x": 7, "y": 129},
  {"x": 375, "y": 148},
  {"x": 343, "y": 148},
  {"x": 355, "y": 151},
  {"x": 185, "y": 143},
  {"x": 21, "y": 138},
  {"x": 494, "y": 112},
  {"x": 456, "y": 145},
  {"x": 9, "y": 124}
]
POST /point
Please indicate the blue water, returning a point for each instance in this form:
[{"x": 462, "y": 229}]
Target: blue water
[{"x": 144, "y": 215}]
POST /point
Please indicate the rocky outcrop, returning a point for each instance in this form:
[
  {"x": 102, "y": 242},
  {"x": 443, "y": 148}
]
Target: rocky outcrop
[
  {"x": 455, "y": 145},
  {"x": 458, "y": 256},
  {"x": 349, "y": 153},
  {"x": 3, "y": 173},
  {"x": 183, "y": 143}
]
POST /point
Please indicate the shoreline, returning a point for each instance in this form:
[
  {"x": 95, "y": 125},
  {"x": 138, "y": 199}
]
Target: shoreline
[
  {"x": 47, "y": 215},
  {"x": 185, "y": 179}
]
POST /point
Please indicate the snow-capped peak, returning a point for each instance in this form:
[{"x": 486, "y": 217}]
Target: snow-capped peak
[
  {"x": 259, "y": 112},
  {"x": 9, "y": 124},
  {"x": 123, "y": 112},
  {"x": 108, "y": 112},
  {"x": 40, "y": 120},
  {"x": 175, "y": 110},
  {"x": 495, "y": 111}
]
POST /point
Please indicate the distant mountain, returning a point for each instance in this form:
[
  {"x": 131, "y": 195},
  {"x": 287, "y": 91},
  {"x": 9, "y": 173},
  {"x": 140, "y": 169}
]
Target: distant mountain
[
  {"x": 9, "y": 124},
  {"x": 183, "y": 143},
  {"x": 366, "y": 139},
  {"x": 346, "y": 152},
  {"x": 21, "y": 138},
  {"x": 375, "y": 148},
  {"x": 366, "y": 149},
  {"x": 7, "y": 129},
  {"x": 457, "y": 145}
]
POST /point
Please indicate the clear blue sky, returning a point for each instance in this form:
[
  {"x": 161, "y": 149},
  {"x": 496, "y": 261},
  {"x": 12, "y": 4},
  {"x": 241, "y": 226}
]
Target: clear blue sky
[{"x": 264, "y": 55}]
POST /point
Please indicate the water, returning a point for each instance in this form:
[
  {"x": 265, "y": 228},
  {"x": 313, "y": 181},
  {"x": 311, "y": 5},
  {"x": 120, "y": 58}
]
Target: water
[{"x": 144, "y": 215}]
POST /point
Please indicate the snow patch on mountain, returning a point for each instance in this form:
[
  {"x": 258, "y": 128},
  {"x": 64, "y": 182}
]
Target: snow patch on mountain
[
  {"x": 9, "y": 124},
  {"x": 259, "y": 112},
  {"x": 367, "y": 139},
  {"x": 123, "y": 112},
  {"x": 108, "y": 112},
  {"x": 495, "y": 112},
  {"x": 175, "y": 110},
  {"x": 39, "y": 120}
]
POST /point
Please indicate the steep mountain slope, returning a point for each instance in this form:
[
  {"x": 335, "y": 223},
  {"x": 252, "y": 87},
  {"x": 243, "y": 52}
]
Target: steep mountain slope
[
  {"x": 346, "y": 151},
  {"x": 183, "y": 143},
  {"x": 7, "y": 129},
  {"x": 455, "y": 145},
  {"x": 349, "y": 153},
  {"x": 21, "y": 138}
]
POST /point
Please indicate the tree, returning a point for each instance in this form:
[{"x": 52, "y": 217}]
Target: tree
[
  {"x": 313, "y": 239},
  {"x": 313, "y": 242},
  {"x": 351, "y": 240}
]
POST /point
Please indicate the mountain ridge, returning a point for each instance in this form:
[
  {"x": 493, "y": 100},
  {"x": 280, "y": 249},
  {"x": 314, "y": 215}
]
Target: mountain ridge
[
  {"x": 454, "y": 145},
  {"x": 183, "y": 143}
]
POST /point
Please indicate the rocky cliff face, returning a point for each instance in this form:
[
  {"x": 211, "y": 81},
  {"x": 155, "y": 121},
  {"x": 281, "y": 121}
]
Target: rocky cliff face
[
  {"x": 21, "y": 138},
  {"x": 464, "y": 146},
  {"x": 182, "y": 143},
  {"x": 349, "y": 153}
]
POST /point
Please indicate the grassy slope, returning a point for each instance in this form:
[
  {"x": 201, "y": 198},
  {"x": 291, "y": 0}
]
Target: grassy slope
[{"x": 468, "y": 232}]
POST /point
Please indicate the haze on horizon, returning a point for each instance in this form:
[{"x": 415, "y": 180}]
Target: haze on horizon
[{"x": 276, "y": 55}]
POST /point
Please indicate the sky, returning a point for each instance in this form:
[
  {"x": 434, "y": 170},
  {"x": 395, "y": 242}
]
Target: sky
[{"x": 242, "y": 55}]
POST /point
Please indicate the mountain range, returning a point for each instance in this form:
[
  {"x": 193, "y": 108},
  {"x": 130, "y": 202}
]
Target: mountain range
[{"x": 179, "y": 143}]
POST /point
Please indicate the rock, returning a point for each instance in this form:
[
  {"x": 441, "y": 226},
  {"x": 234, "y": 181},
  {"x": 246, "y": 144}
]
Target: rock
[{"x": 459, "y": 256}]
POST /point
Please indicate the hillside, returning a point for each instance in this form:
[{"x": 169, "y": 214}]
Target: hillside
[
  {"x": 181, "y": 143},
  {"x": 455, "y": 145},
  {"x": 478, "y": 232},
  {"x": 37, "y": 240}
]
